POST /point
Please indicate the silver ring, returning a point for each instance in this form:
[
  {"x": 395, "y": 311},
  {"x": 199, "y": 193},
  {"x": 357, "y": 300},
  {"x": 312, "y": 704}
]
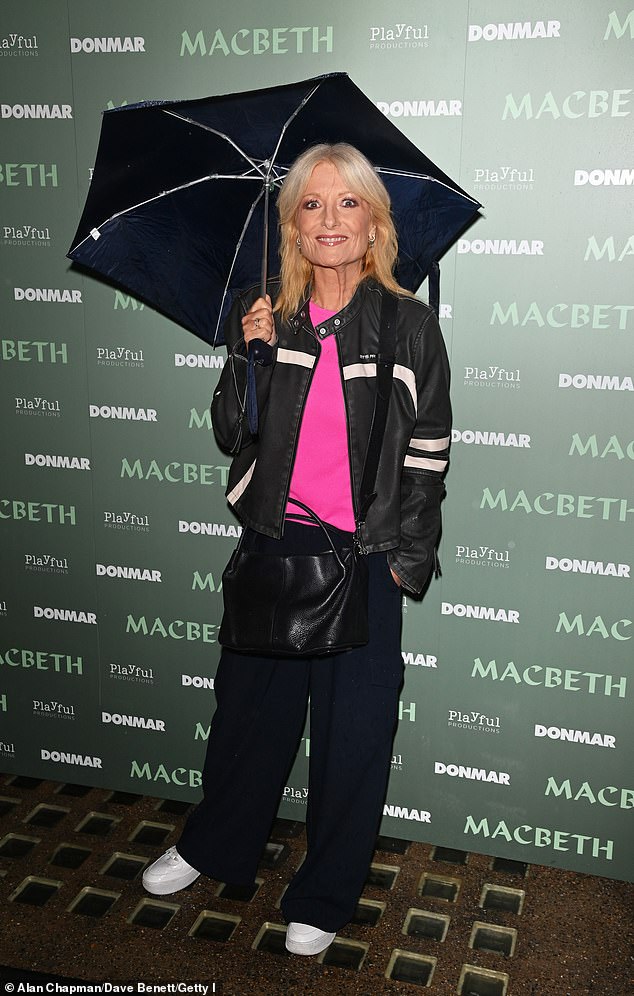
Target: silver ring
[{"x": 256, "y": 323}]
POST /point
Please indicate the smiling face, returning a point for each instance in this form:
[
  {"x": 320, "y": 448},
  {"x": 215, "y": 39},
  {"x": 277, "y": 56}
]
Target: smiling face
[{"x": 333, "y": 222}]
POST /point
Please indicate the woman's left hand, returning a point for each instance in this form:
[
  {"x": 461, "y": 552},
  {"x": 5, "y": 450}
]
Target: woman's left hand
[{"x": 395, "y": 578}]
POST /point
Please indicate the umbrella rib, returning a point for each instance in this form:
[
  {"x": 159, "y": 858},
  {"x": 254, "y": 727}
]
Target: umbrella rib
[
  {"x": 287, "y": 123},
  {"x": 423, "y": 176},
  {"x": 235, "y": 256},
  {"x": 220, "y": 134},
  {"x": 165, "y": 193}
]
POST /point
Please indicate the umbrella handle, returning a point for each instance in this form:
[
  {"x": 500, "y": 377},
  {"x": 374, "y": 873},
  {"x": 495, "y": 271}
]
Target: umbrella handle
[
  {"x": 257, "y": 350},
  {"x": 265, "y": 241}
]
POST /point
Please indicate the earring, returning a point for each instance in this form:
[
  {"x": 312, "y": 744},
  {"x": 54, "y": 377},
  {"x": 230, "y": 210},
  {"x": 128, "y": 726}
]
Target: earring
[
  {"x": 299, "y": 243},
  {"x": 371, "y": 241}
]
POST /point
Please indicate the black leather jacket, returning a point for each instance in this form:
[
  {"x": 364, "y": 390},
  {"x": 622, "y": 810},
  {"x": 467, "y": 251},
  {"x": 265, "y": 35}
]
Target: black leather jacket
[{"x": 404, "y": 519}]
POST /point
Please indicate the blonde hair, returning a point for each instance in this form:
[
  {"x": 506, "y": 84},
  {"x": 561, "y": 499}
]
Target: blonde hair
[{"x": 362, "y": 179}]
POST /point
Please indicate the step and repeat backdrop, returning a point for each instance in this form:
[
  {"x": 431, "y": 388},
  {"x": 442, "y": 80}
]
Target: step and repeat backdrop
[{"x": 515, "y": 733}]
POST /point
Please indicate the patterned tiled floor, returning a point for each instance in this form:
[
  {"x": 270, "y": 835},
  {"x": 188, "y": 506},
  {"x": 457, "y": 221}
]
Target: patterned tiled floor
[{"x": 430, "y": 919}]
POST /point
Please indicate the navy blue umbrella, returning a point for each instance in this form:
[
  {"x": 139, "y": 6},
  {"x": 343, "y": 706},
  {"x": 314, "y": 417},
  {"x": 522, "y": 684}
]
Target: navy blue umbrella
[{"x": 181, "y": 207}]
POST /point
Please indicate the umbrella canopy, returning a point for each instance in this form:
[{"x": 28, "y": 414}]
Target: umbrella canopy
[{"x": 179, "y": 205}]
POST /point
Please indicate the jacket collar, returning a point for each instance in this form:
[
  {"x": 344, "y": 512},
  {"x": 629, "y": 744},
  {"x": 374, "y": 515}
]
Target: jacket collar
[{"x": 301, "y": 319}]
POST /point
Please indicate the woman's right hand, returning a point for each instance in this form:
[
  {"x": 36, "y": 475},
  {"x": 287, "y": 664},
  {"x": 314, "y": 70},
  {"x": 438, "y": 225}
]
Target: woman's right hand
[{"x": 258, "y": 322}]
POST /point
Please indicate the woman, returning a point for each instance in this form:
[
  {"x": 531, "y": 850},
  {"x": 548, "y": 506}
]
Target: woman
[{"x": 316, "y": 399}]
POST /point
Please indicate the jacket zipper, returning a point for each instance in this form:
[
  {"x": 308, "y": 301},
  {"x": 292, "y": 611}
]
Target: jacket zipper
[
  {"x": 299, "y": 423},
  {"x": 355, "y": 508}
]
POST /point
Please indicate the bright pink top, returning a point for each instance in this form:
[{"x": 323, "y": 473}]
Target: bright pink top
[{"x": 321, "y": 473}]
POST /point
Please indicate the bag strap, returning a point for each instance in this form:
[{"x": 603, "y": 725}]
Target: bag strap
[
  {"x": 319, "y": 522},
  {"x": 384, "y": 374}
]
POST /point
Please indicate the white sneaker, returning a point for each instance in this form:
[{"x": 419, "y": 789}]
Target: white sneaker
[
  {"x": 303, "y": 939},
  {"x": 168, "y": 874}
]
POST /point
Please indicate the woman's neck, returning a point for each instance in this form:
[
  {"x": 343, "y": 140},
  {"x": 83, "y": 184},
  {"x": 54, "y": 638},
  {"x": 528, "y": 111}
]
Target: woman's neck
[{"x": 333, "y": 289}]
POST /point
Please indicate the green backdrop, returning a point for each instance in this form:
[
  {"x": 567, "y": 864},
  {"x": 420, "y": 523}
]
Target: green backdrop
[{"x": 514, "y": 735}]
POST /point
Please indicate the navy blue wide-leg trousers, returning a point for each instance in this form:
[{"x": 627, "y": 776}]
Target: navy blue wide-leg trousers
[{"x": 254, "y": 737}]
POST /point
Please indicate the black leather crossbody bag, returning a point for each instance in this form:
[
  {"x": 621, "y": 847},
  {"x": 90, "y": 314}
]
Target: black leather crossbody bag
[{"x": 305, "y": 605}]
